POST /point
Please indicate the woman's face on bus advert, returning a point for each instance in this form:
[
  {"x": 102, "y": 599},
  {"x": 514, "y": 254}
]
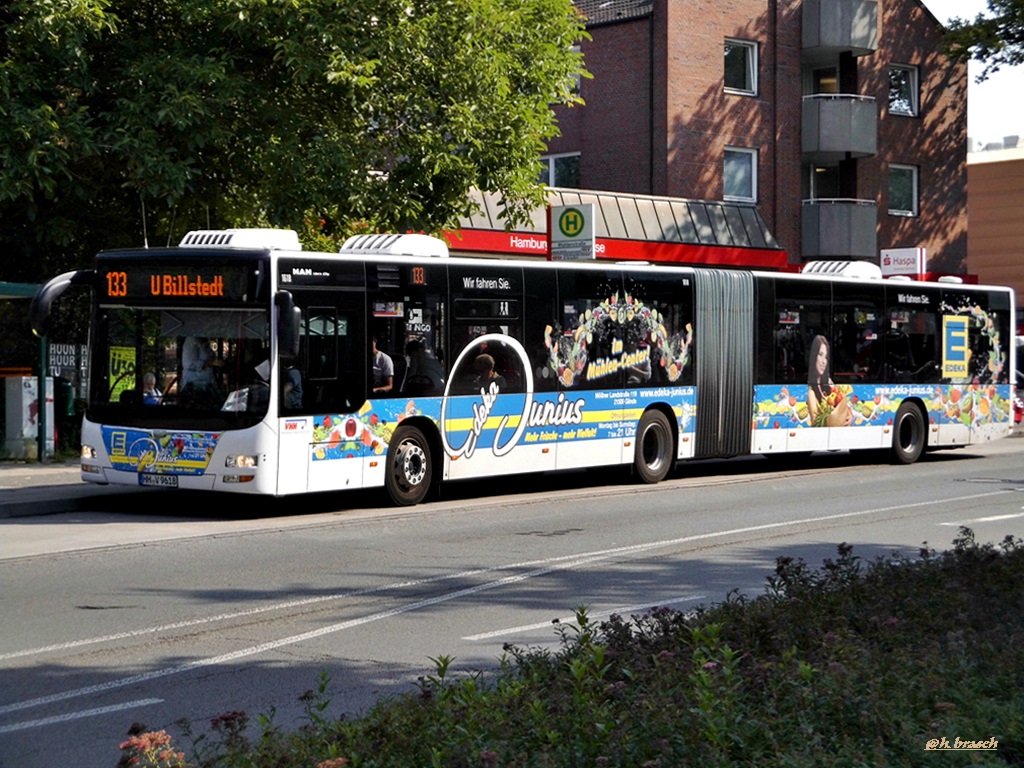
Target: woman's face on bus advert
[{"x": 821, "y": 361}]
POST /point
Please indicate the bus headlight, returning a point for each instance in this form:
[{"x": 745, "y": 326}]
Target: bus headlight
[
  {"x": 242, "y": 461},
  {"x": 88, "y": 452}
]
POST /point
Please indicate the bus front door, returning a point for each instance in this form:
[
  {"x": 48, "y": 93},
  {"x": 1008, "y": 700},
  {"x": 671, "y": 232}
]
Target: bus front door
[{"x": 317, "y": 456}]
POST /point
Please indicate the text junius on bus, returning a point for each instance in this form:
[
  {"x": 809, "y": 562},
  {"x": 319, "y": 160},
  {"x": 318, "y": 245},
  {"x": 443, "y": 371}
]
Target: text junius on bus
[{"x": 238, "y": 362}]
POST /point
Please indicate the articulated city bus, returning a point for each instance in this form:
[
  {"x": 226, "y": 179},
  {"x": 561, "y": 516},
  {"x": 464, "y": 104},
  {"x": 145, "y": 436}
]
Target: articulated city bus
[{"x": 238, "y": 362}]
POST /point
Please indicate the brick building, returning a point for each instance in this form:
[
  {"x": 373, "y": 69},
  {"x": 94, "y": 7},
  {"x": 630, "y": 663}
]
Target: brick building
[
  {"x": 996, "y": 181},
  {"x": 839, "y": 120}
]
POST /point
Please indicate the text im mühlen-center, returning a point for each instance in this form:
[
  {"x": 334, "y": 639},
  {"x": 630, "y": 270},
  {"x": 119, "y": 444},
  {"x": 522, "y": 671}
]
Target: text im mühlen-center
[{"x": 183, "y": 285}]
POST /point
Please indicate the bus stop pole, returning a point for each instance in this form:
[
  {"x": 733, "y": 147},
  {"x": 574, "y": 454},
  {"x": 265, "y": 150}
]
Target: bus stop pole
[{"x": 41, "y": 399}]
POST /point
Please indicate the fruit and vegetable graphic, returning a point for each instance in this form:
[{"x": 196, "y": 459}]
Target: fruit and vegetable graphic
[
  {"x": 972, "y": 405},
  {"x": 834, "y": 410},
  {"x": 367, "y": 432}
]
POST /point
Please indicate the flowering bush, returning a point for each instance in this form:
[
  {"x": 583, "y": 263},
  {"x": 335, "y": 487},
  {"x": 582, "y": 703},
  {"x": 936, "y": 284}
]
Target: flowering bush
[{"x": 151, "y": 750}]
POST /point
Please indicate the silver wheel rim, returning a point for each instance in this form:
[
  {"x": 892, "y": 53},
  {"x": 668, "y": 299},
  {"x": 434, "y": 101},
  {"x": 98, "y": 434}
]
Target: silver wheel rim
[{"x": 412, "y": 464}]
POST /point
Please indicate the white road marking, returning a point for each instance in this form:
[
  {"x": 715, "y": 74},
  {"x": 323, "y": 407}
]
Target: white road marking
[
  {"x": 550, "y": 566},
  {"x": 77, "y": 715},
  {"x": 590, "y": 614},
  {"x": 992, "y": 519}
]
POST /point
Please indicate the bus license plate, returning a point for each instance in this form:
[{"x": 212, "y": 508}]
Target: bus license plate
[{"x": 159, "y": 481}]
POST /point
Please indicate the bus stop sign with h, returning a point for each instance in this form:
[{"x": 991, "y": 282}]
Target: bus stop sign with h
[{"x": 571, "y": 229}]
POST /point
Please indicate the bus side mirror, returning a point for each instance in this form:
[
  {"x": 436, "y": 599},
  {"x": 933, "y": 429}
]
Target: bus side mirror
[
  {"x": 42, "y": 303},
  {"x": 289, "y": 318}
]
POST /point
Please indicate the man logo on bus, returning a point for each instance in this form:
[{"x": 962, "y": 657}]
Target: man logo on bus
[{"x": 571, "y": 222}]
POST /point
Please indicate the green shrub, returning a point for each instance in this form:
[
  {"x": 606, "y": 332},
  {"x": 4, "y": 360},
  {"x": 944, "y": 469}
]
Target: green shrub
[{"x": 852, "y": 664}]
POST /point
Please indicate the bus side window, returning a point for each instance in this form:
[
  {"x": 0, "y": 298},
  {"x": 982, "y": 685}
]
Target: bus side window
[
  {"x": 540, "y": 315},
  {"x": 407, "y": 316},
  {"x": 856, "y": 323},
  {"x": 658, "y": 336}
]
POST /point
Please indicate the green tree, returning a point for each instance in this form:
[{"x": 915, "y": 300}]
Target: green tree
[
  {"x": 995, "y": 38},
  {"x": 124, "y": 118}
]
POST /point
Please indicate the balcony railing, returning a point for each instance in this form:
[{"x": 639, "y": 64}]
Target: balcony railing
[
  {"x": 837, "y": 228},
  {"x": 838, "y": 126}
]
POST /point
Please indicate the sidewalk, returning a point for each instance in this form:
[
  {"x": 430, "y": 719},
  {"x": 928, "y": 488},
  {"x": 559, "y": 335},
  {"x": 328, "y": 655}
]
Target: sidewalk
[
  {"x": 29, "y": 488},
  {"x": 17, "y": 473}
]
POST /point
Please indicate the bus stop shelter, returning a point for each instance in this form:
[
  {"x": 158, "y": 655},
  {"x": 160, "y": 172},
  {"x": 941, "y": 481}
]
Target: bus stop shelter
[{"x": 25, "y": 291}]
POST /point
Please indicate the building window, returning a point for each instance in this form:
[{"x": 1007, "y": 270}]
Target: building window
[
  {"x": 903, "y": 190},
  {"x": 576, "y": 78},
  {"x": 741, "y": 67},
  {"x": 560, "y": 170},
  {"x": 740, "y": 177},
  {"x": 903, "y": 91}
]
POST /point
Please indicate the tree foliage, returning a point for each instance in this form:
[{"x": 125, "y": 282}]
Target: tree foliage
[
  {"x": 995, "y": 38},
  {"x": 153, "y": 117}
]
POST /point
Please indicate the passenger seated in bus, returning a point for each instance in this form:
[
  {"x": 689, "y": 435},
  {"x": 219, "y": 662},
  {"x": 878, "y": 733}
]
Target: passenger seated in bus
[
  {"x": 150, "y": 394},
  {"x": 383, "y": 370},
  {"x": 424, "y": 374},
  {"x": 485, "y": 374}
]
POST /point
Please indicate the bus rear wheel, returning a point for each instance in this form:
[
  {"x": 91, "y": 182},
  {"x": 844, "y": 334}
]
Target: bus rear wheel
[
  {"x": 654, "y": 452},
  {"x": 908, "y": 434},
  {"x": 409, "y": 469}
]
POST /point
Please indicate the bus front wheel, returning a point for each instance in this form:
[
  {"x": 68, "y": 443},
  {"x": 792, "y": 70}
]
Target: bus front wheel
[
  {"x": 908, "y": 434},
  {"x": 653, "y": 456},
  {"x": 409, "y": 468}
]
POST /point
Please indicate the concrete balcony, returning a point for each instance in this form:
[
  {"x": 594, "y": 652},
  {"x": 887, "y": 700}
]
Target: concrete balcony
[
  {"x": 838, "y": 126},
  {"x": 831, "y": 27},
  {"x": 839, "y": 228}
]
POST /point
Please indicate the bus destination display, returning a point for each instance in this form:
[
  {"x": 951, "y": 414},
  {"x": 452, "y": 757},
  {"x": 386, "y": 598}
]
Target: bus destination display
[{"x": 175, "y": 282}]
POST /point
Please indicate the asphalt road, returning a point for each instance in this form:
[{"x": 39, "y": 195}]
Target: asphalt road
[{"x": 153, "y": 606}]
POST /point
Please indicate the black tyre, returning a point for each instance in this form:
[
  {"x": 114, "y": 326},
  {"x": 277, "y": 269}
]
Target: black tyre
[
  {"x": 908, "y": 434},
  {"x": 654, "y": 453},
  {"x": 409, "y": 470}
]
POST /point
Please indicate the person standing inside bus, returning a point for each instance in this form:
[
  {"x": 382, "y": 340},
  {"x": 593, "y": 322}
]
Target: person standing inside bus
[
  {"x": 291, "y": 387},
  {"x": 383, "y": 370},
  {"x": 197, "y": 364}
]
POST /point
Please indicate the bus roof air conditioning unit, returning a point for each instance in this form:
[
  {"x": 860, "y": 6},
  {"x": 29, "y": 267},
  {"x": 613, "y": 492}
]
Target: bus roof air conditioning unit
[
  {"x": 858, "y": 270},
  {"x": 274, "y": 239},
  {"x": 395, "y": 245}
]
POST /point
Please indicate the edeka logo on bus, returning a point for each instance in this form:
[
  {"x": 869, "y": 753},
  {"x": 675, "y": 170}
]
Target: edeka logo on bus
[
  {"x": 956, "y": 353},
  {"x": 467, "y": 420}
]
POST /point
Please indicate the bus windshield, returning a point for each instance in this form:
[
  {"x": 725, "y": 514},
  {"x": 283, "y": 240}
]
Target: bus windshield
[{"x": 166, "y": 366}]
